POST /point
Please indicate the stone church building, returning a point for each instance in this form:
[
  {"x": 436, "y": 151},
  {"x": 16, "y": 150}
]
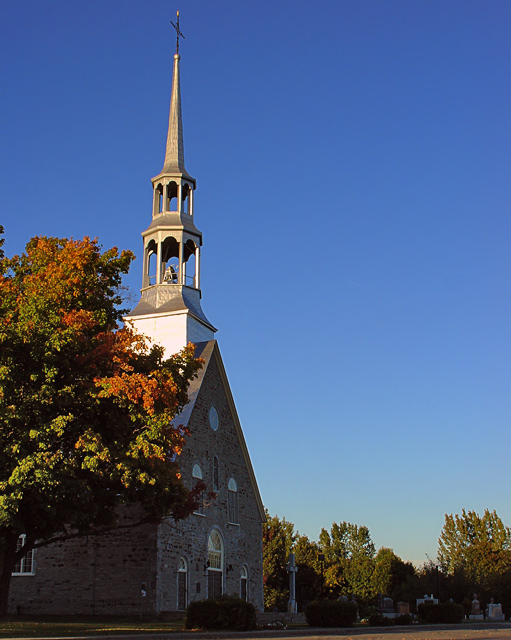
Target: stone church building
[{"x": 155, "y": 569}]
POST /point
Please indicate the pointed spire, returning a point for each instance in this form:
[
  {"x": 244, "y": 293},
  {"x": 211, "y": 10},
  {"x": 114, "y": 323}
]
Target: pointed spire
[{"x": 174, "y": 152}]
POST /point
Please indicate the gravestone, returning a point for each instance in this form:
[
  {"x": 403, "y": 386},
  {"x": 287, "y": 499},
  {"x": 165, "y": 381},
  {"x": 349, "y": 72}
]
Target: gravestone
[
  {"x": 403, "y": 608},
  {"x": 426, "y": 600},
  {"x": 475, "y": 612},
  {"x": 494, "y": 611},
  {"x": 386, "y": 607}
]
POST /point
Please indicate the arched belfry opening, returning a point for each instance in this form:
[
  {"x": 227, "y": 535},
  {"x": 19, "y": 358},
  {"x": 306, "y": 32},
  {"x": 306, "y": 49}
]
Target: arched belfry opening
[
  {"x": 151, "y": 264},
  {"x": 170, "y": 261},
  {"x": 191, "y": 261},
  {"x": 158, "y": 199},
  {"x": 171, "y": 199}
]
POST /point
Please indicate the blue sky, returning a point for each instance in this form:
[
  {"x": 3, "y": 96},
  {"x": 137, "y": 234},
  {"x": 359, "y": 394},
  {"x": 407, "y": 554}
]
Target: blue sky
[{"x": 353, "y": 167}]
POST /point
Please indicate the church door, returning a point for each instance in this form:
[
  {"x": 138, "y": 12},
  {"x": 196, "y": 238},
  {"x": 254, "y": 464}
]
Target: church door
[{"x": 182, "y": 585}]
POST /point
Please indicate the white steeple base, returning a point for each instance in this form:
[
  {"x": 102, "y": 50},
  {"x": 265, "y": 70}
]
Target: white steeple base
[{"x": 173, "y": 331}]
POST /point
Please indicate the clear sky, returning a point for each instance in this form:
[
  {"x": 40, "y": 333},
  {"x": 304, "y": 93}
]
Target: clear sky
[{"x": 353, "y": 168}]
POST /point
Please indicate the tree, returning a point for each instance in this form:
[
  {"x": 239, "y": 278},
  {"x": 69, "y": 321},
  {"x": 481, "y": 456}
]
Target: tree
[
  {"x": 86, "y": 407},
  {"x": 308, "y": 576},
  {"x": 278, "y": 540},
  {"x": 391, "y": 574},
  {"x": 475, "y": 552},
  {"x": 349, "y": 555},
  {"x": 476, "y": 545}
]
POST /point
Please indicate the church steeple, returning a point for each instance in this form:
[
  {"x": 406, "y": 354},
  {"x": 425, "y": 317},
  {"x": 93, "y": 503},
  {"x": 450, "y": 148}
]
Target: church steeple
[{"x": 169, "y": 310}]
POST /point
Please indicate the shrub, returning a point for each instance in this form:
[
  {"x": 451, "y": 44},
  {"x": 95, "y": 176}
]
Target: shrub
[
  {"x": 226, "y": 612},
  {"x": 449, "y": 612},
  {"x": 379, "y": 620},
  {"x": 330, "y": 613}
]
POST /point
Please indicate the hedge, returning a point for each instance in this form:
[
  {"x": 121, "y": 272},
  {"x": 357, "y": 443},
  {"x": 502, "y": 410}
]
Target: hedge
[
  {"x": 226, "y": 612},
  {"x": 330, "y": 613},
  {"x": 449, "y": 613}
]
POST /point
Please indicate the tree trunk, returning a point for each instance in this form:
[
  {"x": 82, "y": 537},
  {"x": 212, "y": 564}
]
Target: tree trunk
[{"x": 8, "y": 544}]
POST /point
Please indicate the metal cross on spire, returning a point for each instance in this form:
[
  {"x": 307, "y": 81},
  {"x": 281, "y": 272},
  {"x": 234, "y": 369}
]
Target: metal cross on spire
[{"x": 178, "y": 32}]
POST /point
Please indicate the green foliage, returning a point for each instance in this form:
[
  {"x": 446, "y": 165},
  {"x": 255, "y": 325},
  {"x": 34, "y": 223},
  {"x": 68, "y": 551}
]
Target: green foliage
[
  {"x": 308, "y": 577},
  {"x": 226, "y": 612},
  {"x": 474, "y": 554},
  {"x": 346, "y": 541},
  {"x": 448, "y": 613},
  {"x": 278, "y": 540},
  {"x": 349, "y": 556},
  {"x": 478, "y": 546},
  {"x": 330, "y": 613},
  {"x": 275, "y": 599},
  {"x": 390, "y": 572}
]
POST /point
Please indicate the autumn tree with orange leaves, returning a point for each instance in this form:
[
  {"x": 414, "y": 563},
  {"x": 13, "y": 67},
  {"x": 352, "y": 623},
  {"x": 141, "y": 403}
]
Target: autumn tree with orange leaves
[{"x": 86, "y": 405}]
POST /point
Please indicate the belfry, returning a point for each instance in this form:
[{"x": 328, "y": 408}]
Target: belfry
[{"x": 170, "y": 310}]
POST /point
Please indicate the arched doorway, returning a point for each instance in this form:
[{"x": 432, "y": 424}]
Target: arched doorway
[{"x": 182, "y": 584}]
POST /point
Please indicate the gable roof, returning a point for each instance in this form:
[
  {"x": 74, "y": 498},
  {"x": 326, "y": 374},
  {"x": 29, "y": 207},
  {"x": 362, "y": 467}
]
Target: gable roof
[{"x": 209, "y": 351}]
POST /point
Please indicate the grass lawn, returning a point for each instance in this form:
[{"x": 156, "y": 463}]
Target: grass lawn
[{"x": 28, "y": 627}]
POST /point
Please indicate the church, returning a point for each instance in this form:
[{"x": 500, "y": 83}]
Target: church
[{"x": 156, "y": 569}]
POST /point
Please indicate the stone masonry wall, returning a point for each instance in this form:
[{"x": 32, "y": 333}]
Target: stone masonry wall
[
  {"x": 188, "y": 539},
  {"x": 95, "y": 575}
]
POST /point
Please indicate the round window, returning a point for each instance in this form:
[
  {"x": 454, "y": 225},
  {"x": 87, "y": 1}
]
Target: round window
[{"x": 213, "y": 418}]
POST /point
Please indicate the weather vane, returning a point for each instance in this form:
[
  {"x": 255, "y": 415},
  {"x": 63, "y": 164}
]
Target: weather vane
[{"x": 178, "y": 32}]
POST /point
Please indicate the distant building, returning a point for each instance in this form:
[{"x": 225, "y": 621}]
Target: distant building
[{"x": 161, "y": 568}]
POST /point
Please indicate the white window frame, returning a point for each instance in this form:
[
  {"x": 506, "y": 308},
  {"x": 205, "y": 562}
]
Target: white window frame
[{"x": 216, "y": 559}]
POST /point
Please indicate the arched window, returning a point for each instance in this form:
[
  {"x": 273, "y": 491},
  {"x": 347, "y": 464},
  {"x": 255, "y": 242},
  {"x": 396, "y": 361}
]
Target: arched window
[
  {"x": 244, "y": 583},
  {"x": 182, "y": 584},
  {"x": 197, "y": 475},
  {"x": 216, "y": 481},
  {"x": 232, "y": 501},
  {"x": 215, "y": 564},
  {"x": 25, "y": 566}
]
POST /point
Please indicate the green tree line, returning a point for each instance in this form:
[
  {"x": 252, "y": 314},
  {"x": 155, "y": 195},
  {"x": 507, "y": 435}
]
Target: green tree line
[{"x": 474, "y": 556}]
